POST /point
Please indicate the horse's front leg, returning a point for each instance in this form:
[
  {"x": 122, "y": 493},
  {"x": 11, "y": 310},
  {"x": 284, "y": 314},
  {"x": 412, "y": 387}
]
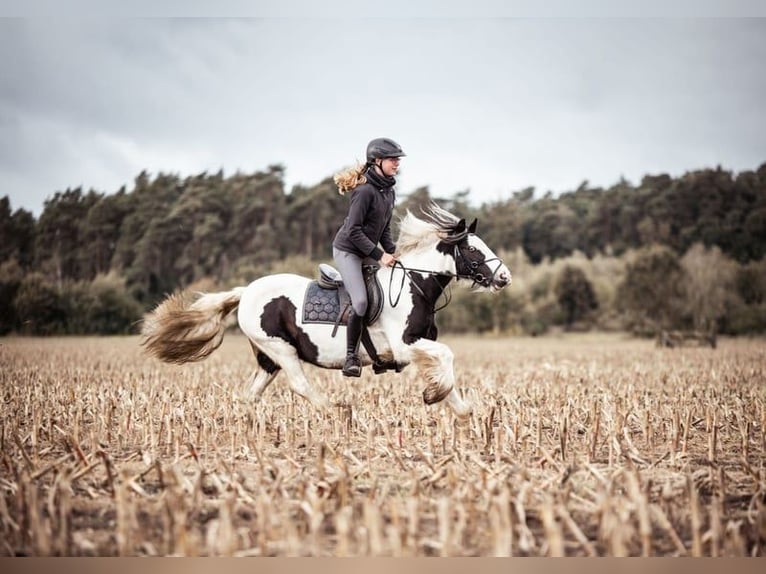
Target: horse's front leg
[{"x": 435, "y": 362}]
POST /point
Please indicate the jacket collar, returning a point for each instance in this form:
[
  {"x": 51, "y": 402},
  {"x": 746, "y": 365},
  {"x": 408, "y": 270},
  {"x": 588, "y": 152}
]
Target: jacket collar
[{"x": 379, "y": 181}]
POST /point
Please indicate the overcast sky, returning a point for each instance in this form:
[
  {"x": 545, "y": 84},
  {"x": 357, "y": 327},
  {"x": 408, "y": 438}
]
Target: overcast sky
[{"x": 493, "y": 105}]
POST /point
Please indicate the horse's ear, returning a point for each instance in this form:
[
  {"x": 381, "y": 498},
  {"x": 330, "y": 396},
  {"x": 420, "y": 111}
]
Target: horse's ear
[
  {"x": 460, "y": 227},
  {"x": 472, "y": 227}
]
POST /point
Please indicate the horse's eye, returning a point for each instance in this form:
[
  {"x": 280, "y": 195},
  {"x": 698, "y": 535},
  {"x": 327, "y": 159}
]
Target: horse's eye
[{"x": 471, "y": 248}]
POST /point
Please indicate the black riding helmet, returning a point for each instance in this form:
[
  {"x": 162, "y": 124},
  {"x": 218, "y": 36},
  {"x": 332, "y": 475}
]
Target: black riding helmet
[{"x": 381, "y": 148}]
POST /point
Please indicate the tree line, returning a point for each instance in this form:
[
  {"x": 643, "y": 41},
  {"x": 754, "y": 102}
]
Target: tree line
[{"x": 683, "y": 252}]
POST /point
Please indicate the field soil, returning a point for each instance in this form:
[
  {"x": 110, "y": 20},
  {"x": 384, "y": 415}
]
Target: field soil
[{"x": 578, "y": 445}]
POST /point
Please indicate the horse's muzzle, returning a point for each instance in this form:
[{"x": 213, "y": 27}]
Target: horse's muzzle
[{"x": 501, "y": 280}]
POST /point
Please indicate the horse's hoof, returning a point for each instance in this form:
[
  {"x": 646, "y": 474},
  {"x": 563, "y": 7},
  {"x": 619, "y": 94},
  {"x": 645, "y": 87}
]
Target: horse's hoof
[{"x": 463, "y": 414}]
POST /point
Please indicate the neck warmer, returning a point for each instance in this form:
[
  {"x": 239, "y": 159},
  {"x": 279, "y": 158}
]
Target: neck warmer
[{"x": 378, "y": 180}]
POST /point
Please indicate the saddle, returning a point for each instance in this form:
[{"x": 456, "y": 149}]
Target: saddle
[{"x": 327, "y": 301}]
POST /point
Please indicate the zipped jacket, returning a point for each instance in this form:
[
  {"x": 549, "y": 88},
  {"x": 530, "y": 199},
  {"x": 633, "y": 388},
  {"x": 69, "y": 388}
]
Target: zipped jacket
[{"x": 368, "y": 222}]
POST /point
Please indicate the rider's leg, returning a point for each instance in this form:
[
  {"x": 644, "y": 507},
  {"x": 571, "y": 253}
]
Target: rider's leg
[
  {"x": 350, "y": 268},
  {"x": 353, "y": 366}
]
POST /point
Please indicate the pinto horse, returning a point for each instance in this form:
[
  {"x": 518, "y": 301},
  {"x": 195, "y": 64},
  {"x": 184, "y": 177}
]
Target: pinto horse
[{"x": 434, "y": 250}]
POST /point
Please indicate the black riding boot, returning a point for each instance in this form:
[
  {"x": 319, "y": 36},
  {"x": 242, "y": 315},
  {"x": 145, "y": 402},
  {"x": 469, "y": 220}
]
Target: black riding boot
[{"x": 353, "y": 367}]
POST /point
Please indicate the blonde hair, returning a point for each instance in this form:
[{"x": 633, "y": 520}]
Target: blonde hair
[{"x": 350, "y": 178}]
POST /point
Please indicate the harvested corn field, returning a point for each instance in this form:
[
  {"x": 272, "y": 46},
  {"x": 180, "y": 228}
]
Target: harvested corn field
[{"x": 587, "y": 445}]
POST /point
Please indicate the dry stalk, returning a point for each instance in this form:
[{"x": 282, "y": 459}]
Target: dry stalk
[
  {"x": 312, "y": 507},
  {"x": 564, "y": 433},
  {"x": 221, "y": 534},
  {"x": 342, "y": 521},
  {"x": 616, "y": 528},
  {"x": 443, "y": 517},
  {"x": 501, "y": 524},
  {"x": 648, "y": 435},
  {"x": 394, "y": 538},
  {"x": 63, "y": 513},
  {"x": 735, "y": 544},
  {"x": 632, "y": 451},
  {"x": 572, "y": 526},
  {"x": 489, "y": 429},
  {"x": 695, "y": 517},
  {"x": 553, "y": 535},
  {"x": 40, "y": 535},
  {"x": 109, "y": 471},
  {"x": 499, "y": 444},
  {"x": 594, "y": 435},
  {"x": 713, "y": 437},
  {"x": 53, "y": 466},
  {"x": 9, "y": 526},
  {"x": 25, "y": 457},
  {"x": 642, "y": 506},
  {"x": 125, "y": 517},
  {"x": 413, "y": 522},
  {"x": 674, "y": 446},
  {"x": 687, "y": 426},
  {"x": 372, "y": 523},
  {"x": 526, "y": 539},
  {"x": 716, "y": 529}
]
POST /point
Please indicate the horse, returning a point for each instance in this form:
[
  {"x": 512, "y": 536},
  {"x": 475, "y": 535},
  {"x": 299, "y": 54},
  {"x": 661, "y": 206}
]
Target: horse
[{"x": 434, "y": 250}]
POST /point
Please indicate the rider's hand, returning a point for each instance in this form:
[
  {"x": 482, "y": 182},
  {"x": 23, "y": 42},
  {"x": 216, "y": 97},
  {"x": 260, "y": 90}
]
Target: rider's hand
[{"x": 387, "y": 260}]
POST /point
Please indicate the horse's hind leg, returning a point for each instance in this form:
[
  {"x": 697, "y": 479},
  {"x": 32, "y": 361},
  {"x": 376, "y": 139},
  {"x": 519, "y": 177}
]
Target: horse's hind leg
[
  {"x": 286, "y": 357},
  {"x": 264, "y": 374},
  {"x": 300, "y": 384}
]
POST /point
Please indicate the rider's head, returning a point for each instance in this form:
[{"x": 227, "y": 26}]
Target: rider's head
[{"x": 384, "y": 154}]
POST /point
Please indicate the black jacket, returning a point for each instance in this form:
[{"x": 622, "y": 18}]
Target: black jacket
[{"x": 369, "y": 218}]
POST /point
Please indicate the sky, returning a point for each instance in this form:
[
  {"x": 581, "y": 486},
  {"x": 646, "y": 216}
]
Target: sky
[{"x": 487, "y": 103}]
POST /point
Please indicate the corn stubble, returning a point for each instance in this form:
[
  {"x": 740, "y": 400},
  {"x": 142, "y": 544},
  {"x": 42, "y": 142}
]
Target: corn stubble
[{"x": 582, "y": 446}]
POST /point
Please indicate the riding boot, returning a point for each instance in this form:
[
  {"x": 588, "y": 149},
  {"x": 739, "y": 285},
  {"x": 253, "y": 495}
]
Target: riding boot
[{"x": 353, "y": 367}]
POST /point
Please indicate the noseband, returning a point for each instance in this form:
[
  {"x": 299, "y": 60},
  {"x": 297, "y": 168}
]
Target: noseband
[{"x": 472, "y": 267}]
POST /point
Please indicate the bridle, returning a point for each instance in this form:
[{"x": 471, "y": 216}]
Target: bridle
[
  {"x": 470, "y": 272},
  {"x": 473, "y": 266}
]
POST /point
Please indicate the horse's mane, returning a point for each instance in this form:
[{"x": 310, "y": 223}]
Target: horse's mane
[{"x": 436, "y": 224}]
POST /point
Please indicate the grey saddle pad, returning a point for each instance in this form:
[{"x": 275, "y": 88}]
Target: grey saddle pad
[{"x": 322, "y": 305}]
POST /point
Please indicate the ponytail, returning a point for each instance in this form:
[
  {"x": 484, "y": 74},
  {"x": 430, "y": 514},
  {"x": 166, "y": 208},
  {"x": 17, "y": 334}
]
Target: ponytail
[{"x": 350, "y": 178}]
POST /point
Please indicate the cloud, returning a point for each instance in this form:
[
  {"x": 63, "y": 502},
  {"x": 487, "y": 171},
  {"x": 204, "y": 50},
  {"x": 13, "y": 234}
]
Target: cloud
[{"x": 494, "y": 105}]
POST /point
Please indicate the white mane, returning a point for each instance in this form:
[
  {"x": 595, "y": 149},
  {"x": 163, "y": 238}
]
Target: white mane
[{"x": 416, "y": 234}]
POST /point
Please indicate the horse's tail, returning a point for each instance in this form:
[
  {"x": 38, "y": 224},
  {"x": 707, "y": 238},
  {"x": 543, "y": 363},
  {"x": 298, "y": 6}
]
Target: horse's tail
[{"x": 181, "y": 329}]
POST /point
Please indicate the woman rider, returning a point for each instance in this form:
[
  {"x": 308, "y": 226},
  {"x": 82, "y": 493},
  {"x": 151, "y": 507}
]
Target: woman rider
[{"x": 365, "y": 233}]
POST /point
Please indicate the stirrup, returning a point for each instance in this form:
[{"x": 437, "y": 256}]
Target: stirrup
[{"x": 353, "y": 367}]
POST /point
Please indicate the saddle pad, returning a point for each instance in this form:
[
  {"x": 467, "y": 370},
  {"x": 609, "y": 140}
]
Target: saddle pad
[{"x": 320, "y": 305}]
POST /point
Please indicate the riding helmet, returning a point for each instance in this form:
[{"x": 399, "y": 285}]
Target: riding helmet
[{"x": 381, "y": 148}]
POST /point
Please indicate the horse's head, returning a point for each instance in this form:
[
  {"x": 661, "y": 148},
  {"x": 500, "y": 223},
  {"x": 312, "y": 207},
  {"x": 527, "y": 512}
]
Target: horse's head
[
  {"x": 474, "y": 260},
  {"x": 462, "y": 252}
]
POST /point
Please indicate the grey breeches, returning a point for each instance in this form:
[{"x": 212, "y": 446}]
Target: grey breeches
[{"x": 350, "y": 268}]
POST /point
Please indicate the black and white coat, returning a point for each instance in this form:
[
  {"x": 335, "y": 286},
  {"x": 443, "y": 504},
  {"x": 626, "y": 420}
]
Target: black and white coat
[{"x": 433, "y": 251}]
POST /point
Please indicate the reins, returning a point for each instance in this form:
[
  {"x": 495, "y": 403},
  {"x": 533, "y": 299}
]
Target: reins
[
  {"x": 407, "y": 273},
  {"x": 473, "y": 276}
]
